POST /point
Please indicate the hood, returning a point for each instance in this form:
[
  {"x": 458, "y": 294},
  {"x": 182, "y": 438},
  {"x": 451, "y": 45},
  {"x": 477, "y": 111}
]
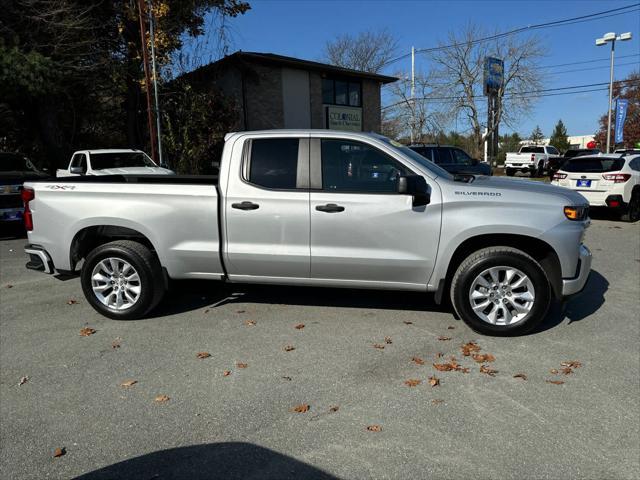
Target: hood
[
  {"x": 134, "y": 171},
  {"x": 512, "y": 187},
  {"x": 19, "y": 177}
]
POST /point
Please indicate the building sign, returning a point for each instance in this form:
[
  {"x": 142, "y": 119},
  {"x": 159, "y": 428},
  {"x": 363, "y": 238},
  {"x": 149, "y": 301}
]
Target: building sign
[
  {"x": 621, "y": 116},
  {"x": 344, "y": 118},
  {"x": 493, "y": 74}
]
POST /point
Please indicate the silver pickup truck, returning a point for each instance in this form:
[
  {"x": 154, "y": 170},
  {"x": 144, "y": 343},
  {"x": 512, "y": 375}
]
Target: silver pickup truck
[{"x": 317, "y": 208}]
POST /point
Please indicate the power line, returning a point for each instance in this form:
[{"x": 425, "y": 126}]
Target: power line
[
  {"x": 590, "y": 61},
  {"x": 593, "y": 68},
  {"x": 532, "y": 94},
  {"x": 555, "y": 23}
]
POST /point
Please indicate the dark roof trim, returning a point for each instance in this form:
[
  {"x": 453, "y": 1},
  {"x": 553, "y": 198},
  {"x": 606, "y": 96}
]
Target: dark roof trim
[{"x": 281, "y": 60}]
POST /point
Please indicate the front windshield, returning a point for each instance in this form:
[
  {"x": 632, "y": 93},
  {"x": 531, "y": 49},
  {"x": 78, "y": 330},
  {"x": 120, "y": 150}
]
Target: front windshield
[
  {"x": 12, "y": 162},
  {"x": 103, "y": 161},
  {"x": 429, "y": 165}
]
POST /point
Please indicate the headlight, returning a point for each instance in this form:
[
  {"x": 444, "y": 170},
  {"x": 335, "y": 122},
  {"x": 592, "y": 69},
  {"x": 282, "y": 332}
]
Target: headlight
[{"x": 576, "y": 214}]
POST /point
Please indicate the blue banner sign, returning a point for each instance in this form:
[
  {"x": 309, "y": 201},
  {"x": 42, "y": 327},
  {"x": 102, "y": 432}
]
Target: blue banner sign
[
  {"x": 493, "y": 74},
  {"x": 621, "y": 116}
]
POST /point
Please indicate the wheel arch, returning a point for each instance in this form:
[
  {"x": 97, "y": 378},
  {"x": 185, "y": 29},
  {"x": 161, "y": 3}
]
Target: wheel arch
[
  {"x": 540, "y": 250},
  {"x": 89, "y": 238}
]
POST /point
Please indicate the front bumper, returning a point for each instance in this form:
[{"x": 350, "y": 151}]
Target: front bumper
[
  {"x": 571, "y": 286},
  {"x": 39, "y": 259}
]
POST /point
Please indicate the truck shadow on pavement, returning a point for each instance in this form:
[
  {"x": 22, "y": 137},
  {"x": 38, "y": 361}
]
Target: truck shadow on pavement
[
  {"x": 193, "y": 295},
  {"x": 229, "y": 460}
]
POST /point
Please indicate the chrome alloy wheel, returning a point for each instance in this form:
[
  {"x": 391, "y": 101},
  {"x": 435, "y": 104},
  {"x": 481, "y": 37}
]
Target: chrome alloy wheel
[
  {"x": 502, "y": 295},
  {"x": 116, "y": 283}
]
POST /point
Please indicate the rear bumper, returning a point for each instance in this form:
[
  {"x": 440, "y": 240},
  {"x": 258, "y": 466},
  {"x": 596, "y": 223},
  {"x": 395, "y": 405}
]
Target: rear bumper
[
  {"x": 575, "y": 285},
  {"x": 39, "y": 259}
]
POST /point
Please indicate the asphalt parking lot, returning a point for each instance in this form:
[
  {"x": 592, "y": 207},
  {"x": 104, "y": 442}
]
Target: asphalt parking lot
[{"x": 240, "y": 425}]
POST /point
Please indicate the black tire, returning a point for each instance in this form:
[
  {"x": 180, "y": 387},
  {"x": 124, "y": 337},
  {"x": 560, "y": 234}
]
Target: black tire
[
  {"x": 510, "y": 172},
  {"x": 632, "y": 212},
  {"x": 540, "y": 170},
  {"x": 143, "y": 261},
  {"x": 486, "y": 258}
]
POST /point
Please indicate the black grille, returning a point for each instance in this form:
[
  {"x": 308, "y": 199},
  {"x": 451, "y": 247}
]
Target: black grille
[{"x": 10, "y": 201}]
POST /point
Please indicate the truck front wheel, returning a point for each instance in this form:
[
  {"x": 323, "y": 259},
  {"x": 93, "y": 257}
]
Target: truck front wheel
[
  {"x": 501, "y": 291},
  {"x": 122, "y": 280},
  {"x": 510, "y": 172}
]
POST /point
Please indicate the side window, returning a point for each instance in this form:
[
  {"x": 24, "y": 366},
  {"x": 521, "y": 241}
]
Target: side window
[
  {"x": 273, "y": 163},
  {"x": 444, "y": 156},
  {"x": 635, "y": 164},
  {"x": 460, "y": 157},
  {"x": 553, "y": 150},
  {"x": 356, "y": 167},
  {"x": 79, "y": 160}
]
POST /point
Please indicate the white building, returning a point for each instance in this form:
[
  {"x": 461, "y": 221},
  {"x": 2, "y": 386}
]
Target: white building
[{"x": 576, "y": 141}]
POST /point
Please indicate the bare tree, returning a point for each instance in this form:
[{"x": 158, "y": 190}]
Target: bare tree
[
  {"x": 414, "y": 116},
  {"x": 368, "y": 51},
  {"x": 457, "y": 78}
]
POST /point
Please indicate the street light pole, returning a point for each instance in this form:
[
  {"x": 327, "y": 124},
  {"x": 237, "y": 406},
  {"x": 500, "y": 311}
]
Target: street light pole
[{"x": 606, "y": 38}]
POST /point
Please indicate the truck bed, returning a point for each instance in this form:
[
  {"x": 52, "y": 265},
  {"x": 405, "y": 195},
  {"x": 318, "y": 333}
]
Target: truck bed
[{"x": 159, "y": 208}]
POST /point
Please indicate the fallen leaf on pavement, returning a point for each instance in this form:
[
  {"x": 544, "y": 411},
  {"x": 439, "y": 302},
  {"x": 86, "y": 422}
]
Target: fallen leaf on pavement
[
  {"x": 334, "y": 408},
  {"x": 439, "y": 355},
  {"x": 555, "y": 382},
  {"x": 447, "y": 367},
  {"x": 240, "y": 311},
  {"x": 481, "y": 358},
  {"x": 23, "y": 380},
  {"x": 249, "y": 323},
  {"x": 288, "y": 379},
  {"x": 161, "y": 399},
  {"x": 128, "y": 383},
  {"x": 488, "y": 370},
  {"x": 567, "y": 370},
  {"x": 379, "y": 346},
  {"x": 85, "y": 332},
  {"x": 116, "y": 343},
  {"x": 9, "y": 286},
  {"x": 289, "y": 348},
  {"x": 451, "y": 327},
  {"x": 571, "y": 364},
  {"x": 241, "y": 365},
  {"x": 412, "y": 382},
  {"x": 554, "y": 371},
  {"x": 302, "y": 408},
  {"x": 58, "y": 452},
  {"x": 434, "y": 381},
  {"x": 72, "y": 301},
  {"x": 388, "y": 340},
  {"x": 442, "y": 338},
  {"x": 417, "y": 360},
  {"x": 299, "y": 326},
  {"x": 470, "y": 347},
  {"x": 202, "y": 355},
  {"x": 406, "y": 322},
  {"x": 436, "y": 401},
  {"x": 226, "y": 373},
  {"x": 523, "y": 376},
  {"x": 374, "y": 428},
  {"x": 206, "y": 311}
]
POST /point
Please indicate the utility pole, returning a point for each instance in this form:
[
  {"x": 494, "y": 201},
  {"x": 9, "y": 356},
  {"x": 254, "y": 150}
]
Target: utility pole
[
  {"x": 155, "y": 79},
  {"x": 413, "y": 93},
  {"x": 147, "y": 77}
]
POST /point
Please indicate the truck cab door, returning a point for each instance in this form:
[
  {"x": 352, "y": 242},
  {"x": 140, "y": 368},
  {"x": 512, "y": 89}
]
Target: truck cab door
[
  {"x": 266, "y": 210},
  {"x": 363, "y": 232}
]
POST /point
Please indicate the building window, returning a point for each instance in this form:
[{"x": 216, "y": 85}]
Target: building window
[{"x": 341, "y": 92}]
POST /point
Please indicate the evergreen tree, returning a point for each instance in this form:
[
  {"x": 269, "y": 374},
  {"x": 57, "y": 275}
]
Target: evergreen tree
[
  {"x": 537, "y": 136},
  {"x": 559, "y": 138}
]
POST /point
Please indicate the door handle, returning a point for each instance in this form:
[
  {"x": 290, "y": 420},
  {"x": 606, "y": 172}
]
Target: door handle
[
  {"x": 245, "y": 206},
  {"x": 330, "y": 208}
]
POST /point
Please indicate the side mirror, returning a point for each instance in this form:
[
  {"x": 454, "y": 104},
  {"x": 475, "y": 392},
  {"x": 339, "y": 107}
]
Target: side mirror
[
  {"x": 475, "y": 161},
  {"x": 416, "y": 186},
  {"x": 76, "y": 170}
]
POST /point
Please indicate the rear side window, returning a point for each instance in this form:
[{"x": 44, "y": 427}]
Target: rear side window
[
  {"x": 593, "y": 164},
  {"x": 356, "y": 167},
  {"x": 273, "y": 162},
  {"x": 532, "y": 150}
]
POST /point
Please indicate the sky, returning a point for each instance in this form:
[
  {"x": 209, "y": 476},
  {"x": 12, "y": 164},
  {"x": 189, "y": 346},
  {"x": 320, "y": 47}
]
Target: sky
[{"x": 301, "y": 28}]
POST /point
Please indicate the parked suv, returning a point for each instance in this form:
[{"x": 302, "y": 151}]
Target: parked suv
[
  {"x": 453, "y": 159},
  {"x": 611, "y": 181},
  {"x": 555, "y": 163}
]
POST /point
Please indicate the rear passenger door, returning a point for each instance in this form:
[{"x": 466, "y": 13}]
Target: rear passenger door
[{"x": 267, "y": 210}]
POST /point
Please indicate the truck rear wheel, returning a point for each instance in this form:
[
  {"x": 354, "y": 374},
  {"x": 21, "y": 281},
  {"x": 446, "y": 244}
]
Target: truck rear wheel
[
  {"x": 122, "y": 280},
  {"x": 510, "y": 172},
  {"x": 501, "y": 291}
]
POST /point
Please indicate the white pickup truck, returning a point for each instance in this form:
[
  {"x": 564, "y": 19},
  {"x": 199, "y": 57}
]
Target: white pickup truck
[
  {"x": 111, "y": 162},
  {"x": 316, "y": 208},
  {"x": 532, "y": 159}
]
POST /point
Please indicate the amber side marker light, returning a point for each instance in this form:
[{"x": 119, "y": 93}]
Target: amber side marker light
[{"x": 575, "y": 213}]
